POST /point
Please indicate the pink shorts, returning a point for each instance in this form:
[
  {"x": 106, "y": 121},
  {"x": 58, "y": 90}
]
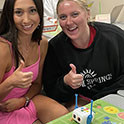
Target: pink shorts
[{"x": 25, "y": 115}]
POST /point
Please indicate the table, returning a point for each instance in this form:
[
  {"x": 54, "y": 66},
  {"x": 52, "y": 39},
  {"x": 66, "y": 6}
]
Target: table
[
  {"x": 120, "y": 92},
  {"x": 115, "y": 99},
  {"x": 108, "y": 110},
  {"x": 120, "y": 24}
]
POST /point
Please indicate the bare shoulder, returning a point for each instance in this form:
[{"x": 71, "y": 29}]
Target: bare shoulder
[
  {"x": 4, "y": 47},
  {"x": 44, "y": 41},
  {"x": 43, "y": 45},
  {"x": 5, "y": 56}
]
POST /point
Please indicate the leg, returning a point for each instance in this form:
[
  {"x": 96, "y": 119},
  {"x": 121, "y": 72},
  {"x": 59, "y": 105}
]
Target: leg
[
  {"x": 48, "y": 109},
  {"x": 37, "y": 122}
]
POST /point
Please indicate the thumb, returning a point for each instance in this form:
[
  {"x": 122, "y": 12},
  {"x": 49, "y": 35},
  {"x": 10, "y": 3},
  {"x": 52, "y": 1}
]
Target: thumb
[
  {"x": 21, "y": 66},
  {"x": 73, "y": 68}
]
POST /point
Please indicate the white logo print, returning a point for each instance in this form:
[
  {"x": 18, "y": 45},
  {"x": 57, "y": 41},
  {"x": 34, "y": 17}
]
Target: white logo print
[
  {"x": 88, "y": 74},
  {"x": 90, "y": 80}
]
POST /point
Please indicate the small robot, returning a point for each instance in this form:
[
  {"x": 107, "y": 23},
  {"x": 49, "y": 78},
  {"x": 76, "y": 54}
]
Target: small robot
[{"x": 83, "y": 115}]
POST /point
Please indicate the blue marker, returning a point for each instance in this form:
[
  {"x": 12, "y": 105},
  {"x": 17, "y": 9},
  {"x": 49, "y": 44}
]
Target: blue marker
[
  {"x": 90, "y": 116},
  {"x": 76, "y": 105}
]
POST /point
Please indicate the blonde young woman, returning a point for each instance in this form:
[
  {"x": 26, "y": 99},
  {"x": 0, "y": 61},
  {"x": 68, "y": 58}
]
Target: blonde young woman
[
  {"x": 85, "y": 58},
  {"x": 22, "y": 54}
]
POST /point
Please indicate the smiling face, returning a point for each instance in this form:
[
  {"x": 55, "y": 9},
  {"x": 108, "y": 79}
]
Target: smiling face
[
  {"x": 73, "y": 19},
  {"x": 26, "y": 17}
]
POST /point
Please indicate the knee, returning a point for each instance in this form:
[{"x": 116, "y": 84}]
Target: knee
[
  {"x": 64, "y": 111},
  {"x": 47, "y": 104}
]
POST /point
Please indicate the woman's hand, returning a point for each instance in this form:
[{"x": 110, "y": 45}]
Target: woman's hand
[
  {"x": 12, "y": 104},
  {"x": 21, "y": 79},
  {"x": 73, "y": 79}
]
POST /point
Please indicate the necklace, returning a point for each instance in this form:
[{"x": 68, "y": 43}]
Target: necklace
[{"x": 25, "y": 50}]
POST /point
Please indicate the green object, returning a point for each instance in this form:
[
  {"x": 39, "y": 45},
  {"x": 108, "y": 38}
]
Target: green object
[
  {"x": 100, "y": 9},
  {"x": 105, "y": 113}
]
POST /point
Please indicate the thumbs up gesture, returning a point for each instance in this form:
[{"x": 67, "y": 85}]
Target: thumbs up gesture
[
  {"x": 21, "y": 66},
  {"x": 21, "y": 79},
  {"x": 73, "y": 79}
]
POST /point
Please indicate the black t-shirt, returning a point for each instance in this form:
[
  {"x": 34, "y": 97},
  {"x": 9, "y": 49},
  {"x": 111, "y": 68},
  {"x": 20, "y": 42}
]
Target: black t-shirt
[{"x": 101, "y": 64}]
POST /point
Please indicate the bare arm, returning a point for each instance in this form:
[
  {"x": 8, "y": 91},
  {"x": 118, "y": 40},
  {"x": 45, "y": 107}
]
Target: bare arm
[{"x": 36, "y": 86}]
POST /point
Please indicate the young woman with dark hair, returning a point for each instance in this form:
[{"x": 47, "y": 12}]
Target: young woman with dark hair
[{"x": 22, "y": 53}]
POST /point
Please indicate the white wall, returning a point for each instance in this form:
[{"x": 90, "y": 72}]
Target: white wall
[
  {"x": 106, "y": 7},
  {"x": 1, "y": 3}
]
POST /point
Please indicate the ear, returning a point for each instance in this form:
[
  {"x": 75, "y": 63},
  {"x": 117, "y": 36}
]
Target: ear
[{"x": 88, "y": 15}]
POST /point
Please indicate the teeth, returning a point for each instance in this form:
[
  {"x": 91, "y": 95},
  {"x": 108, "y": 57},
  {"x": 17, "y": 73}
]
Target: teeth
[
  {"x": 27, "y": 26},
  {"x": 72, "y": 28}
]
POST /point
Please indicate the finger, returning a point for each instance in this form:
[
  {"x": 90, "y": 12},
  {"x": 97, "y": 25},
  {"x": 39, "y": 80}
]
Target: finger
[
  {"x": 75, "y": 86},
  {"x": 79, "y": 84},
  {"x": 28, "y": 84},
  {"x": 28, "y": 74},
  {"x": 21, "y": 66},
  {"x": 73, "y": 68},
  {"x": 27, "y": 80}
]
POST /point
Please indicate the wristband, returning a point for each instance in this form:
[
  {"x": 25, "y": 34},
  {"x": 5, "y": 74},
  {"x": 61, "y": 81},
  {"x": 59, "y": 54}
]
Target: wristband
[{"x": 27, "y": 101}]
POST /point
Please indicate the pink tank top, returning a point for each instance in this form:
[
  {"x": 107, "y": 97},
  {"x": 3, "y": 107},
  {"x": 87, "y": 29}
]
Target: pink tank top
[{"x": 19, "y": 92}]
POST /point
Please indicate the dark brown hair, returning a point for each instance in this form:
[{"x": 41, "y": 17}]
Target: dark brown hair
[{"x": 8, "y": 28}]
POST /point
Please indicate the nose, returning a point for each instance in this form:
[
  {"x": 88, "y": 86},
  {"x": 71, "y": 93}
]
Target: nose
[
  {"x": 69, "y": 21},
  {"x": 26, "y": 18}
]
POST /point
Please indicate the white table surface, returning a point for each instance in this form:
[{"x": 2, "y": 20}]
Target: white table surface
[
  {"x": 114, "y": 99},
  {"x": 120, "y": 24},
  {"x": 120, "y": 92}
]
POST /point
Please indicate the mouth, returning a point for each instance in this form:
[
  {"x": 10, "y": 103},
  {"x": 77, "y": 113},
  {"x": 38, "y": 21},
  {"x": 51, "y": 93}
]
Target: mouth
[
  {"x": 72, "y": 28},
  {"x": 72, "y": 32},
  {"x": 27, "y": 27}
]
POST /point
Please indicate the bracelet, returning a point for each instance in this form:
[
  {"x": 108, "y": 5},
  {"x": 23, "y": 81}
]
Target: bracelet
[{"x": 27, "y": 101}]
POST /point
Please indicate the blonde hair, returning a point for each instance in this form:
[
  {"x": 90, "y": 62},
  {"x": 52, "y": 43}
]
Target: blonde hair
[{"x": 82, "y": 3}]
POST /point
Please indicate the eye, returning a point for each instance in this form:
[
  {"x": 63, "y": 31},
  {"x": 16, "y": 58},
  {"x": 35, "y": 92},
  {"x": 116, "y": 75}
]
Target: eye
[
  {"x": 75, "y": 14},
  {"x": 62, "y": 17},
  {"x": 33, "y": 11},
  {"x": 74, "y": 115},
  {"x": 18, "y": 12},
  {"x": 78, "y": 119}
]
